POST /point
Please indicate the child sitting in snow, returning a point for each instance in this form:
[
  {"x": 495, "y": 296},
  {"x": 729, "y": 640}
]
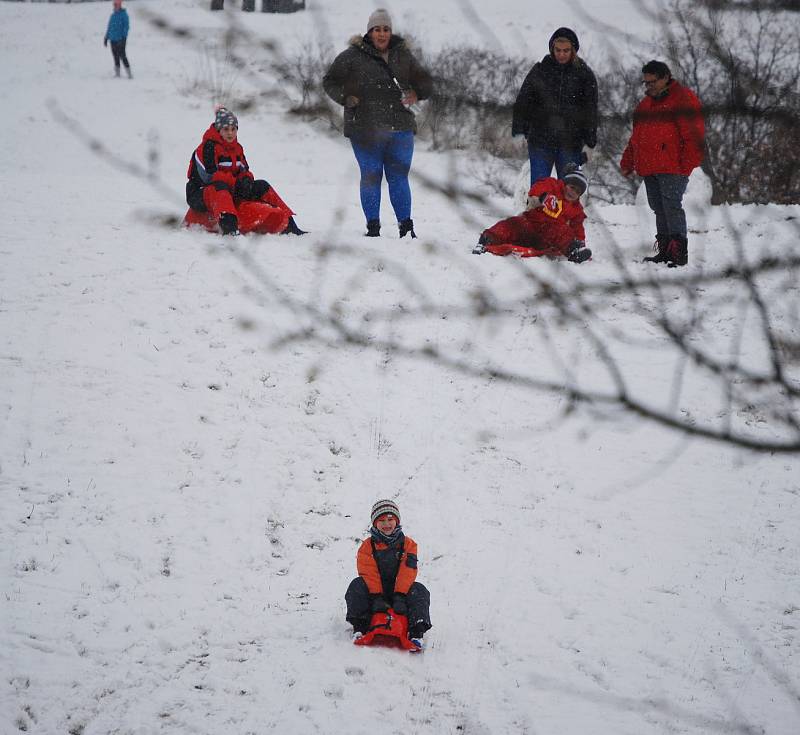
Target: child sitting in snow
[
  {"x": 387, "y": 573},
  {"x": 552, "y": 225},
  {"x": 223, "y": 194}
]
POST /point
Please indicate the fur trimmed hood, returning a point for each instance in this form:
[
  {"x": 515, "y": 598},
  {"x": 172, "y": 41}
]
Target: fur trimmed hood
[{"x": 363, "y": 43}]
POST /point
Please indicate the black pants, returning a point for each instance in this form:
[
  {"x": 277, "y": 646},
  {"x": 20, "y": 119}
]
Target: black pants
[
  {"x": 359, "y": 607},
  {"x": 118, "y": 52}
]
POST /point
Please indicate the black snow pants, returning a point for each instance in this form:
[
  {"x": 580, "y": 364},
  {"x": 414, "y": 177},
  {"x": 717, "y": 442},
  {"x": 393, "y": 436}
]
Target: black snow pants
[
  {"x": 359, "y": 607},
  {"x": 118, "y": 52}
]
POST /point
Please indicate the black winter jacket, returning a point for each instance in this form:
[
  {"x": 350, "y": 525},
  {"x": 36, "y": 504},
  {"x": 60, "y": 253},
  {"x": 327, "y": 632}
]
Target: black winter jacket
[
  {"x": 360, "y": 71},
  {"x": 557, "y": 105}
]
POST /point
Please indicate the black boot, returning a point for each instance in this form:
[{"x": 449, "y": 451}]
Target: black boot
[
  {"x": 480, "y": 248},
  {"x": 660, "y": 247},
  {"x": 677, "y": 251},
  {"x": 228, "y": 224},
  {"x": 293, "y": 229},
  {"x": 360, "y": 625},
  {"x": 406, "y": 226},
  {"x": 373, "y": 228},
  {"x": 579, "y": 255}
]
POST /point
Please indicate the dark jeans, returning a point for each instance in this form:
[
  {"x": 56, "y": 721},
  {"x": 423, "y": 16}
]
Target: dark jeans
[
  {"x": 665, "y": 197},
  {"x": 543, "y": 158},
  {"x": 359, "y": 606},
  {"x": 118, "y": 52}
]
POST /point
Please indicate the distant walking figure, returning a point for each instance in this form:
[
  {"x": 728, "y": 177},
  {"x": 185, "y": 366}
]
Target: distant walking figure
[{"x": 117, "y": 33}]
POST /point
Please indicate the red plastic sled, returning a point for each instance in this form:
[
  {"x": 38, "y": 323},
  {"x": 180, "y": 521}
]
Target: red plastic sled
[
  {"x": 388, "y": 629},
  {"x": 266, "y": 217},
  {"x": 521, "y": 251}
]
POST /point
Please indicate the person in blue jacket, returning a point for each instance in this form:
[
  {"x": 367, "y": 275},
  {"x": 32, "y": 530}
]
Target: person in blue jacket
[{"x": 117, "y": 33}]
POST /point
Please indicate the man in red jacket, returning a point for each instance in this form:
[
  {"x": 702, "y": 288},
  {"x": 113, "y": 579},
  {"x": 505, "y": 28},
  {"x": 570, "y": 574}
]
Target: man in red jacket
[{"x": 666, "y": 145}]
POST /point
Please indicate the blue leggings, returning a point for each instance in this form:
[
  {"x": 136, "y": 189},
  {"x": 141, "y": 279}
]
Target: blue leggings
[
  {"x": 385, "y": 150},
  {"x": 543, "y": 158}
]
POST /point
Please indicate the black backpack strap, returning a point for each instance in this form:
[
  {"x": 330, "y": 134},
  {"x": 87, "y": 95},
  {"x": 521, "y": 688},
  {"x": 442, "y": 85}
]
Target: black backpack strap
[{"x": 401, "y": 551}]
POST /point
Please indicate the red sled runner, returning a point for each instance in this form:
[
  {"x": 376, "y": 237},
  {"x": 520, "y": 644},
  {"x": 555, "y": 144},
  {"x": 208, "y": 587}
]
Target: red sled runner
[
  {"x": 520, "y": 251},
  {"x": 390, "y": 630}
]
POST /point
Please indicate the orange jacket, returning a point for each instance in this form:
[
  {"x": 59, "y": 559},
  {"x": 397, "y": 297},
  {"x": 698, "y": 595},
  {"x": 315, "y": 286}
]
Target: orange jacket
[{"x": 406, "y": 571}]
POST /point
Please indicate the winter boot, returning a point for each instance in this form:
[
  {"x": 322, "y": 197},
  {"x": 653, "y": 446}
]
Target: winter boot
[
  {"x": 293, "y": 229},
  {"x": 579, "y": 255},
  {"x": 406, "y": 226},
  {"x": 360, "y": 626},
  {"x": 480, "y": 248},
  {"x": 677, "y": 251},
  {"x": 129, "y": 72},
  {"x": 660, "y": 247},
  {"x": 116, "y": 71},
  {"x": 228, "y": 224},
  {"x": 373, "y": 228}
]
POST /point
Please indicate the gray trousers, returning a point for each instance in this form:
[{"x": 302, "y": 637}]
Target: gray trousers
[{"x": 665, "y": 197}]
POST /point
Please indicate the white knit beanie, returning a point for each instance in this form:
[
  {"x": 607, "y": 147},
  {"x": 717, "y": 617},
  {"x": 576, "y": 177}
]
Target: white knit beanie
[
  {"x": 380, "y": 17},
  {"x": 382, "y": 507}
]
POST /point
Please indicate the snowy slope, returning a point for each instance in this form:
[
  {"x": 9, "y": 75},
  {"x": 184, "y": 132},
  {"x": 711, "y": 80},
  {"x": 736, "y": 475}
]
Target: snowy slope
[{"x": 181, "y": 498}]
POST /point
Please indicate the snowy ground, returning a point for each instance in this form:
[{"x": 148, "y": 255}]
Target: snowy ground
[{"x": 181, "y": 502}]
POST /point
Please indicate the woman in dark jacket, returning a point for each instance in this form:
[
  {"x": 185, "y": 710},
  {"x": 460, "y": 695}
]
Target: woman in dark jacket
[
  {"x": 556, "y": 108},
  {"x": 377, "y": 80}
]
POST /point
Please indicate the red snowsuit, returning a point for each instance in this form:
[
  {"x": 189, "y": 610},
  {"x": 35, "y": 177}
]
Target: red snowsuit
[
  {"x": 220, "y": 182},
  {"x": 546, "y": 230},
  {"x": 667, "y": 135}
]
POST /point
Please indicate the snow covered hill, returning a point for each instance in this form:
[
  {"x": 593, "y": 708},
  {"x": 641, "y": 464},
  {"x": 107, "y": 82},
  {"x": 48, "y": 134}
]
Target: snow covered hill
[{"x": 185, "y": 473}]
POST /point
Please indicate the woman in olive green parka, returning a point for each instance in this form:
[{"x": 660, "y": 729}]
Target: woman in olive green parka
[{"x": 378, "y": 80}]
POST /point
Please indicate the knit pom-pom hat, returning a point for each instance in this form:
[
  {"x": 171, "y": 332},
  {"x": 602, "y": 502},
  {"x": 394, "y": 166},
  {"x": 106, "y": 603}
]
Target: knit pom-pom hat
[
  {"x": 224, "y": 118},
  {"x": 382, "y": 507},
  {"x": 576, "y": 178}
]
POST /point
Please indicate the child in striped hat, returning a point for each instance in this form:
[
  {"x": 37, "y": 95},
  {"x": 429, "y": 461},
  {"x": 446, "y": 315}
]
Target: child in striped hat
[{"x": 387, "y": 574}]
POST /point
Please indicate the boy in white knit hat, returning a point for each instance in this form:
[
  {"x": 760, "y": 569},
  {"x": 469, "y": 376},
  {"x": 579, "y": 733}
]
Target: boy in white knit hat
[{"x": 387, "y": 573}]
